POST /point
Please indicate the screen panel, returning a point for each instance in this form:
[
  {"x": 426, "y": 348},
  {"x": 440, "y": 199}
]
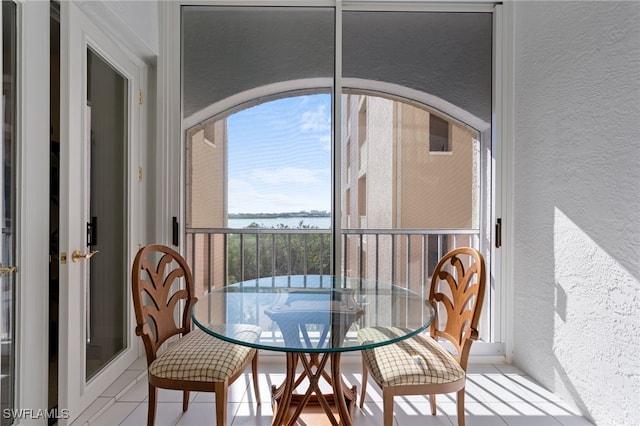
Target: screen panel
[
  {"x": 228, "y": 50},
  {"x": 444, "y": 54}
]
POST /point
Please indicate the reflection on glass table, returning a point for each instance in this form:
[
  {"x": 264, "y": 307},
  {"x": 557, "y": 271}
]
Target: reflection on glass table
[{"x": 313, "y": 319}]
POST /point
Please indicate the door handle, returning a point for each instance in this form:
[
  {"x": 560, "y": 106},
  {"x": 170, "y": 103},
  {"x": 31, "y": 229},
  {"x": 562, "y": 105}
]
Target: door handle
[
  {"x": 7, "y": 270},
  {"x": 77, "y": 255}
]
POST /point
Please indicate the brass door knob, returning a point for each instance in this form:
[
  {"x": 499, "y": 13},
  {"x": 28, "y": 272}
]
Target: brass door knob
[
  {"x": 7, "y": 270},
  {"x": 77, "y": 255}
]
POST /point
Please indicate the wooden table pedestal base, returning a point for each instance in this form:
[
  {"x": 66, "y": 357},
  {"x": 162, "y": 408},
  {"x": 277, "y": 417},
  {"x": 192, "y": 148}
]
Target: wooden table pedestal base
[{"x": 287, "y": 406}]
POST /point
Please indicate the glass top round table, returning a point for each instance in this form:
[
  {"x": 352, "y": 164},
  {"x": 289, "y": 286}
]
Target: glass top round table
[
  {"x": 310, "y": 313},
  {"x": 313, "y": 319}
]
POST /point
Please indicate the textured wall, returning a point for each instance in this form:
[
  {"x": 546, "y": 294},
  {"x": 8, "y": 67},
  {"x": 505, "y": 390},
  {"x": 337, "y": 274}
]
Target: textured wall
[{"x": 577, "y": 203}]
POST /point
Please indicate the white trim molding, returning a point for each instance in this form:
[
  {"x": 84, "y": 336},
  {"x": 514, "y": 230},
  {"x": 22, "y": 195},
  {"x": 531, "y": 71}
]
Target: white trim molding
[
  {"x": 169, "y": 112},
  {"x": 32, "y": 251},
  {"x": 275, "y": 90},
  {"x": 504, "y": 160}
]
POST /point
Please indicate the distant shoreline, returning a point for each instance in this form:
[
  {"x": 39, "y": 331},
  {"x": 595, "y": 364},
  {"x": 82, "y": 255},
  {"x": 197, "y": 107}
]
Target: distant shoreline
[{"x": 303, "y": 214}]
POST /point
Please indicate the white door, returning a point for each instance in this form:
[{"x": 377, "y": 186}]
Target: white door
[{"x": 100, "y": 136}]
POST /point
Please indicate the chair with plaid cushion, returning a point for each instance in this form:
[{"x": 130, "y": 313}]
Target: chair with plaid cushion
[
  {"x": 196, "y": 361},
  {"x": 420, "y": 365}
]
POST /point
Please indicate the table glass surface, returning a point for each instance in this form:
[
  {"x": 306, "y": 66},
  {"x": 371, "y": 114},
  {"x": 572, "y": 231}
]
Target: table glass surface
[{"x": 310, "y": 313}]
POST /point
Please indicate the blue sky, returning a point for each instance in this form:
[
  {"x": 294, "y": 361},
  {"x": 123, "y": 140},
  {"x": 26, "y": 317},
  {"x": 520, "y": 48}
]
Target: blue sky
[{"x": 280, "y": 156}]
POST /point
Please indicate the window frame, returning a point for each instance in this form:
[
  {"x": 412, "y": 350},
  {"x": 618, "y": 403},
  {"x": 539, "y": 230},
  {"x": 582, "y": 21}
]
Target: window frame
[
  {"x": 172, "y": 127},
  {"x": 446, "y": 146}
]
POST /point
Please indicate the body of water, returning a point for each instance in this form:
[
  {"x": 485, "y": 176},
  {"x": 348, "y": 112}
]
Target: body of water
[{"x": 291, "y": 222}]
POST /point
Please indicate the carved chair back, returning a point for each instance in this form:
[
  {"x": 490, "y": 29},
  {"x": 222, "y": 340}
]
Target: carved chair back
[
  {"x": 156, "y": 278},
  {"x": 457, "y": 291}
]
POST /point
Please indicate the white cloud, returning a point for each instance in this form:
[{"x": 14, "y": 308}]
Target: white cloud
[{"x": 316, "y": 121}]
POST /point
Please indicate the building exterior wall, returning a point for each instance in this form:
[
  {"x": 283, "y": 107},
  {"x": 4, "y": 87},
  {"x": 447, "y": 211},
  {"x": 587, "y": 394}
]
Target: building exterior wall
[
  {"x": 576, "y": 268},
  {"x": 435, "y": 188},
  {"x": 207, "y": 182},
  {"x": 391, "y": 180},
  {"x": 206, "y": 202}
]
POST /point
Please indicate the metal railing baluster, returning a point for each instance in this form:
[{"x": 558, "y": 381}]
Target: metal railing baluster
[
  {"x": 210, "y": 264},
  {"x": 257, "y": 256},
  {"x": 367, "y": 262},
  {"x": 289, "y": 252},
  {"x": 361, "y": 257},
  {"x": 304, "y": 264},
  {"x": 273, "y": 255}
]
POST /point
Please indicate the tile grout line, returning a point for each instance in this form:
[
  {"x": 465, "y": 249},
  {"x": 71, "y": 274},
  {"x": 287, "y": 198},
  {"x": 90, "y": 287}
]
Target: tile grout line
[
  {"x": 115, "y": 399},
  {"x": 246, "y": 397}
]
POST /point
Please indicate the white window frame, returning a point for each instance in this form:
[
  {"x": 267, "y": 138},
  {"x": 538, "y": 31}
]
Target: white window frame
[{"x": 32, "y": 136}]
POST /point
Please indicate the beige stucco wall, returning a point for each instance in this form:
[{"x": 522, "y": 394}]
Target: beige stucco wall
[
  {"x": 206, "y": 204},
  {"x": 435, "y": 189},
  {"x": 407, "y": 186},
  {"x": 206, "y": 177}
]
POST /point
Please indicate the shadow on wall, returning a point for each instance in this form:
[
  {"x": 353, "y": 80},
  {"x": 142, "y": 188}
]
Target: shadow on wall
[
  {"x": 595, "y": 322},
  {"x": 577, "y": 204},
  {"x": 578, "y": 314}
]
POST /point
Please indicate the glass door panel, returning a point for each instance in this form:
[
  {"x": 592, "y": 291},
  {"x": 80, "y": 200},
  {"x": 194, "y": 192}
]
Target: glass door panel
[
  {"x": 414, "y": 161},
  {"x": 100, "y": 134},
  {"x": 106, "y": 303},
  {"x": 258, "y": 156},
  {"x": 264, "y": 174},
  {"x": 410, "y": 188},
  {"x": 8, "y": 213}
]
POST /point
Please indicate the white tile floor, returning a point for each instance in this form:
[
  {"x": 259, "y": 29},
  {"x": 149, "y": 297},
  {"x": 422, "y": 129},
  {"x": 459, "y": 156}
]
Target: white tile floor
[{"x": 497, "y": 395}]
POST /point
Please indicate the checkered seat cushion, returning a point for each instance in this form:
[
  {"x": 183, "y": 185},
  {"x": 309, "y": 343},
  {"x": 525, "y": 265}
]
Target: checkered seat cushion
[
  {"x": 413, "y": 361},
  {"x": 201, "y": 357}
]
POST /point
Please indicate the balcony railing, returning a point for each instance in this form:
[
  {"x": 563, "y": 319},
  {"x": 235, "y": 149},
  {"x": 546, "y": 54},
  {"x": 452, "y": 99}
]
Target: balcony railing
[{"x": 406, "y": 257}]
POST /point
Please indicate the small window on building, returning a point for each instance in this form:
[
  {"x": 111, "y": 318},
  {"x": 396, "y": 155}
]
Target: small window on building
[
  {"x": 438, "y": 134},
  {"x": 362, "y": 201}
]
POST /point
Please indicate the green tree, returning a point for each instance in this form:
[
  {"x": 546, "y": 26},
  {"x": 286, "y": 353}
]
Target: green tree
[{"x": 265, "y": 255}]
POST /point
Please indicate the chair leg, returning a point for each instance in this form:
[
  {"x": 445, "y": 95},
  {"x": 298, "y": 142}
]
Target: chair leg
[
  {"x": 254, "y": 373},
  {"x": 185, "y": 401},
  {"x": 460, "y": 403},
  {"x": 221, "y": 403},
  {"x": 365, "y": 375},
  {"x": 151, "y": 406},
  {"x": 432, "y": 400},
  {"x": 387, "y": 406}
]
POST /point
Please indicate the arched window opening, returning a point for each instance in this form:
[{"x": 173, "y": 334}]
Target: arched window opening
[{"x": 259, "y": 188}]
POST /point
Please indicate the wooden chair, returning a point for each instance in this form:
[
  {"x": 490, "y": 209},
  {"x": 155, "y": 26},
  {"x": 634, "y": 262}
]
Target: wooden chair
[
  {"x": 197, "y": 361},
  {"x": 420, "y": 365}
]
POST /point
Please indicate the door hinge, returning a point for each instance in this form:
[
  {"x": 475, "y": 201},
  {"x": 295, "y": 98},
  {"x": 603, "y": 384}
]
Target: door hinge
[
  {"x": 139, "y": 174},
  {"x": 498, "y": 232},
  {"x": 140, "y": 97}
]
